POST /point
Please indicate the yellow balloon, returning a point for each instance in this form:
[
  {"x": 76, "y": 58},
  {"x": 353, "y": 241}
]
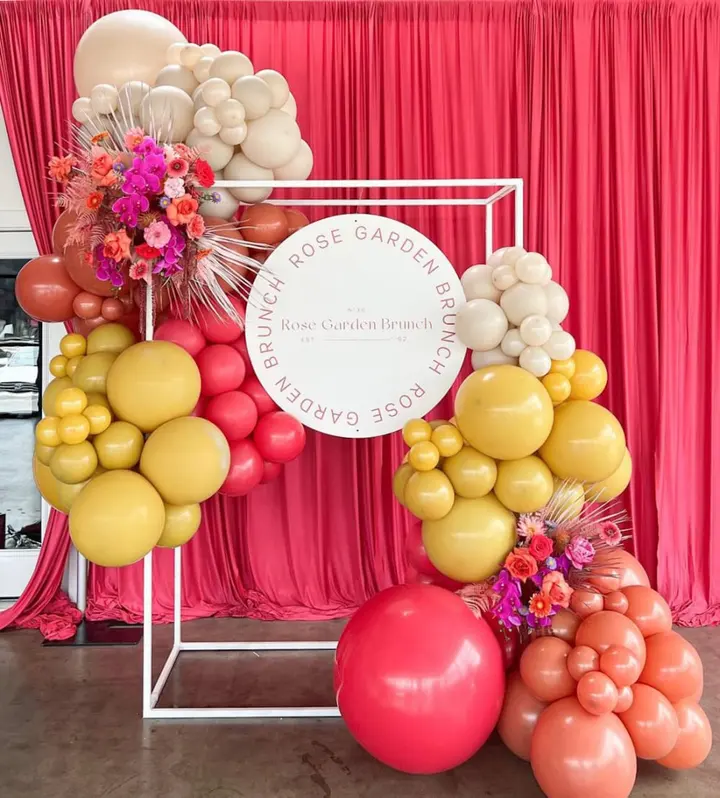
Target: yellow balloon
[
  {"x": 400, "y": 480},
  {"x": 187, "y": 460},
  {"x": 567, "y": 500},
  {"x": 46, "y": 432},
  {"x": 416, "y": 430},
  {"x": 117, "y": 519},
  {"x": 58, "y": 366},
  {"x": 564, "y": 367},
  {"x": 91, "y": 375},
  {"x": 448, "y": 440},
  {"x": 614, "y": 485},
  {"x": 73, "y": 463},
  {"x": 73, "y": 429},
  {"x": 590, "y": 376},
  {"x": 524, "y": 485},
  {"x": 72, "y": 365},
  {"x": 73, "y": 345},
  {"x": 181, "y": 523},
  {"x": 438, "y": 422},
  {"x": 115, "y": 338},
  {"x": 557, "y": 386},
  {"x": 503, "y": 412},
  {"x": 99, "y": 418},
  {"x": 70, "y": 402},
  {"x": 46, "y": 483},
  {"x": 429, "y": 495},
  {"x": 472, "y": 541},
  {"x": 587, "y": 442},
  {"x": 44, "y": 453},
  {"x": 51, "y": 393},
  {"x": 424, "y": 456},
  {"x": 119, "y": 446},
  {"x": 95, "y": 398},
  {"x": 472, "y": 474},
  {"x": 68, "y": 493},
  {"x": 153, "y": 382}
]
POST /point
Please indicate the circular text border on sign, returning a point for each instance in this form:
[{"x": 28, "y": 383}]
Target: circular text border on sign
[{"x": 351, "y": 325}]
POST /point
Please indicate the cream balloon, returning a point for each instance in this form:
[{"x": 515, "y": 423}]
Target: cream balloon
[
  {"x": 496, "y": 258},
  {"x": 206, "y": 122},
  {"x": 242, "y": 168},
  {"x": 224, "y": 209},
  {"x": 504, "y": 277},
  {"x": 130, "y": 98},
  {"x": 278, "y": 86},
  {"x": 201, "y": 70},
  {"x": 558, "y": 303},
  {"x": 535, "y": 330},
  {"x": 168, "y": 112},
  {"x": 493, "y": 357},
  {"x": 179, "y": 76},
  {"x": 104, "y": 98},
  {"x": 290, "y": 107},
  {"x": 82, "y": 110},
  {"x": 254, "y": 94},
  {"x": 273, "y": 140},
  {"x": 197, "y": 98},
  {"x": 481, "y": 325},
  {"x": 230, "y": 113},
  {"x": 535, "y": 360},
  {"x": 512, "y": 344},
  {"x": 212, "y": 149},
  {"x": 211, "y": 50},
  {"x": 477, "y": 283},
  {"x": 560, "y": 345},
  {"x": 300, "y": 166},
  {"x": 512, "y": 255},
  {"x": 215, "y": 91},
  {"x": 532, "y": 268},
  {"x": 190, "y": 55},
  {"x": 172, "y": 56},
  {"x": 234, "y": 135},
  {"x": 522, "y": 300},
  {"x": 230, "y": 66}
]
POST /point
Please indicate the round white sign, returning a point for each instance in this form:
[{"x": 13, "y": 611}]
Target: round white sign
[{"x": 351, "y": 325}]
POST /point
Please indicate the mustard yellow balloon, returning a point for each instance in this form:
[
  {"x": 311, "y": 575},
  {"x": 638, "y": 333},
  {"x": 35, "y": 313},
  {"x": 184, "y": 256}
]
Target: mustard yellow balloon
[
  {"x": 587, "y": 442},
  {"x": 429, "y": 495},
  {"x": 70, "y": 402},
  {"x": 115, "y": 338},
  {"x": 91, "y": 375},
  {"x": 186, "y": 459},
  {"x": 74, "y": 428},
  {"x": 46, "y": 483},
  {"x": 567, "y": 500},
  {"x": 400, "y": 480},
  {"x": 58, "y": 366},
  {"x": 68, "y": 493},
  {"x": 447, "y": 439},
  {"x": 614, "y": 485},
  {"x": 181, "y": 523},
  {"x": 73, "y": 345},
  {"x": 120, "y": 446},
  {"x": 471, "y": 473},
  {"x": 524, "y": 485},
  {"x": 153, "y": 382},
  {"x": 503, "y": 412},
  {"x": 44, "y": 453},
  {"x": 46, "y": 432},
  {"x": 424, "y": 456},
  {"x": 438, "y": 422},
  {"x": 72, "y": 364},
  {"x": 557, "y": 386},
  {"x": 416, "y": 430},
  {"x": 95, "y": 398},
  {"x": 117, "y": 519},
  {"x": 99, "y": 418},
  {"x": 472, "y": 541},
  {"x": 564, "y": 367},
  {"x": 590, "y": 377},
  {"x": 73, "y": 463},
  {"x": 51, "y": 393}
]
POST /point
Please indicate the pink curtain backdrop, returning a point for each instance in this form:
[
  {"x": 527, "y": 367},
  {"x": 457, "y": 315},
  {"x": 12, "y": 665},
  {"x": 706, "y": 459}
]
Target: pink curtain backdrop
[{"x": 608, "y": 110}]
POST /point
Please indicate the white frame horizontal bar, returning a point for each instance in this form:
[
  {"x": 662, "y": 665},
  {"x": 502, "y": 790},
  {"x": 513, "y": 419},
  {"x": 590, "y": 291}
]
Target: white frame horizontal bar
[{"x": 263, "y": 645}]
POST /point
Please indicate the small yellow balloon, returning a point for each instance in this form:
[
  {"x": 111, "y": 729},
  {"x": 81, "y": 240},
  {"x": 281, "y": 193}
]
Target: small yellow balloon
[
  {"x": 44, "y": 453},
  {"x": 58, "y": 366},
  {"x": 99, "y": 418},
  {"x": 51, "y": 393},
  {"x": 564, "y": 367},
  {"x": 429, "y": 495},
  {"x": 115, "y": 338},
  {"x": 590, "y": 377},
  {"x": 91, "y": 374},
  {"x": 557, "y": 386},
  {"x": 400, "y": 480},
  {"x": 416, "y": 430},
  {"x": 567, "y": 500},
  {"x": 181, "y": 523},
  {"x": 587, "y": 442},
  {"x": 73, "y": 345},
  {"x": 472, "y": 474},
  {"x": 46, "y": 483},
  {"x": 614, "y": 485},
  {"x": 437, "y": 423},
  {"x": 70, "y": 402},
  {"x": 447, "y": 439},
  {"x": 424, "y": 456},
  {"x": 472, "y": 541},
  {"x": 46, "y": 432},
  {"x": 117, "y": 519},
  {"x": 72, "y": 365},
  {"x": 73, "y": 429},
  {"x": 524, "y": 485},
  {"x": 95, "y": 398},
  {"x": 120, "y": 446},
  {"x": 73, "y": 463}
]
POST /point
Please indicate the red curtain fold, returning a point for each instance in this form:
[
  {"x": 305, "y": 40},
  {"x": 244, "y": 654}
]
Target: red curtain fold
[{"x": 608, "y": 110}]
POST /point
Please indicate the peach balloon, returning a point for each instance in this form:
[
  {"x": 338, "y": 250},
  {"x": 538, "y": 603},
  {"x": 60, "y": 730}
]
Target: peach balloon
[
  {"x": 621, "y": 665},
  {"x": 606, "y": 629},
  {"x": 694, "y": 738},
  {"x": 597, "y": 693},
  {"x": 614, "y": 569},
  {"x": 586, "y": 602},
  {"x": 264, "y": 224},
  {"x": 87, "y": 305},
  {"x": 543, "y": 667},
  {"x": 565, "y": 624},
  {"x": 673, "y": 666},
  {"x": 616, "y": 602},
  {"x": 582, "y": 660},
  {"x": 296, "y": 220},
  {"x": 648, "y": 610},
  {"x": 625, "y": 700},
  {"x": 520, "y": 714},
  {"x": 112, "y": 309},
  {"x": 651, "y": 723}
]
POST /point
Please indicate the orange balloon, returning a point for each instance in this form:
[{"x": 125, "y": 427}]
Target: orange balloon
[
  {"x": 621, "y": 665},
  {"x": 83, "y": 273},
  {"x": 565, "y": 624},
  {"x": 296, "y": 220},
  {"x": 597, "y": 693},
  {"x": 694, "y": 738},
  {"x": 87, "y": 305},
  {"x": 264, "y": 224},
  {"x": 614, "y": 569},
  {"x": 61, "y": 230},
  {"x": 606, "y": 629},
  {"x": 519, "y": 716},
  {"x": 616, "y": 602},
  {"x": 648, "y": 610},
  {"x": 625, "y": 699},
  {"x": 543, "y": 667},
  {"x": 44, "y": 289},
  {"x": 228, "y": 230},
  {"x": 574, "y": 753},
  {"x": 651, "y": 723},
  {"x": 586, "y": 602},
  {"x": 582, "y": 660},
  {"x": 673, "y": 667}
]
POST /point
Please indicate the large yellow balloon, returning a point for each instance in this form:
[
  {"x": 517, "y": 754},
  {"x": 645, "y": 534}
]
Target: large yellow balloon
[
  {"x": 51, "y": 393},
  {"x": 117, "y": 519},
  {"x": 46, "y": 483},
  {"x": 567, "y": 500},
  {"x": 73, "y": 463},
  {"x": 68, "y": 493},
  {"x": 614, "y": 485},
  {"x": 119, "y": 447},
  {"x": 153, "y": 382},
  {"x": 503, "y": 412},
  {"x": 472, "y": 474},
  {"x": 91, "y": 375},
  {"x": 187, "y": 460},
  {"x": 590, "y": 377},
  {"x": 400, "y": 480},
  {"x": 114, "y": 338},
  {"x": 181, "y": 523},
  {"x": 73, "y": 345},
  {"x": 429, "y": 495},
  {"x": 587, "y": 442},
  {"x": 472, "y": 541},
  {"x": 73, "y": 429},
  {"x": 524, "y": 485},
  {"x": 70, "y": 402}
]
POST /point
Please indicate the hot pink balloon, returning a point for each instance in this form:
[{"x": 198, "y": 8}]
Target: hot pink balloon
[
  {"x": 234, "y": 412},
  {"x": 222, "y": 369},
  {"x": 279, "y": 437},
  {"x": 246, "y": 469},
  {"x": 253, "y": 388},
  {"x": 271, "y": 471},
  {"x": 183, "y": 333}
]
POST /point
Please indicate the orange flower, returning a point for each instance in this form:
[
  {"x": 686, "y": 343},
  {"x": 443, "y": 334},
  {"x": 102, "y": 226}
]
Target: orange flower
[
  {"x": 100, "y": 137},
  {"x": 181, "y": 210},
  {"x": 557, "y": 589},
  {"x": 540, "y": 605},
  {"x": 116, "y": 246},
  {"x": 94, "y": 200},
  {"x": 59, "y": 168},
  {"x": 521, "y": 564}
]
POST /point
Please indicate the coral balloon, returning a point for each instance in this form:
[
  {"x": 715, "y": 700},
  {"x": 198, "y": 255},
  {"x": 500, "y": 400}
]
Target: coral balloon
[
  {"x": 217, "y": 326},
  {"x": 115, "y": 338},
  {"x": 183, "y": 333},
  {"x": 544, "y": 669},
  {"x": 234, "y": 413},
  {"x": 83, "y": 274},
  {"x": 91, "y": 374},
  {"x": 246, "y": 469},
  {"x": 264, "y": 224},
  {"x": 614, "y": 569},
  {"x": 74, "y": 463},
  {"x": 87, "y": 305},
  {"x": 625, "y": 700},
  {"x": 589, "y": 377},
  {"x": 296, "y": 220},
  {"x": 582, "y": 660},
  {"x": 279, "y": 437},
  {"x": 112, "y": 309},
  {"x": 119, "y": 447},
  {"x": 472, "y": 474},
  {"x": 252, "y": 387},
  {"x": 222, "y": 369},
  {"x": 621, "y": 665},
  {"x": 429, "y": 495},
  {"x": 673, "y": 666},
  {"x": 605, "y": 629},
  {"x": 524, "y": 485},
  {"x": 44, "y": 289},
  {"x": 648, "y": 610},
  {"x": 565, "y": 624},
  {"x": 597, "y": 693},
  {"x": 616, "y": 602},
  {"x": 518, "y": 719},
  {"x": 694, "y": 738},
  {"x": 585, "y": 602},
  {"x": 181, "y": 523},
  {"x": 651, "y": 722}
]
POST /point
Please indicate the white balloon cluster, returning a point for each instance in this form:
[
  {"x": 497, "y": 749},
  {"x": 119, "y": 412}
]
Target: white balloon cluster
[{"x": 513, "y": 313}]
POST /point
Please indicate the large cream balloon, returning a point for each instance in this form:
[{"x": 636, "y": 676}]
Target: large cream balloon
[
  {"x": 290, "y": 107},
  {"x": 179, "y": 76},
  {"x": 272, "y": 140},
  {"x": 481, "y": 325},
  {"x": 216, "y": 152},
  {"x": 122, "y": 46},
  {"x": 300, "y": 166},
  {"x": 167, "y": 112},
  {"x": 242, "y": 168},
  {"x": 254, "y": 94},
  {"x": 225, "y": 208},
  {"x": 130, "y": 98},
  {"x": 558, "y": 303},
  {"x": 477, "y": 283},
  {"x": 522, "y": 300},
  {"x": 278, "y": 86}
]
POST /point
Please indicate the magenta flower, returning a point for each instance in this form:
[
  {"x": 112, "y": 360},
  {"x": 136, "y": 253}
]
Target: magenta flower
[
  {"x": 580, "y": 551},
  {"x": 129, "y": 207}
]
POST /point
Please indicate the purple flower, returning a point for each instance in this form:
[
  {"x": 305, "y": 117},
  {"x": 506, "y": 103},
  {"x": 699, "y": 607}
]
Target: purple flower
[
  {"x": 580, "y": 551},
  {"x": 118, "y": 167},
  {"x": 165, "y": 202},
  {"x": 215, "y": 196},
  {"x": 551, "y": 564}
]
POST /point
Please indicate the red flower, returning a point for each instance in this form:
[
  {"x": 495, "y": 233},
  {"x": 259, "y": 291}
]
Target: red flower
[
  {"x": 177, "y": 167},
  {"x": 94, "y": 200},
  {"x": 147, "y": 252},
  {"x": 541, "y": 547},
  {"x": 521, "y": 564},
  {"x": 204, "y": 173}
]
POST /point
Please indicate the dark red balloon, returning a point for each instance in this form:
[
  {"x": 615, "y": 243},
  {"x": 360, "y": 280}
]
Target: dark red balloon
[
  {"x": 217, "y": 326},
  {"x": 234, "y": 413},
  {"x": 246, "y": 469},
  {"x": 183, "y": 333},
  {"x": 253, "y": 388},
  {"x": 271, "y": 471},
  {"x": 44, "y": 289},
  {"x": 414, "y": 577},
  {"x": 279, "y": 437},
  {"x": 222, "y": 369}
]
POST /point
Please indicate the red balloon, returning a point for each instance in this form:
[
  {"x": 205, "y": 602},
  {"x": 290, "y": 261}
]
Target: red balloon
[
  {"x": 597, "y": 693},
  {"x": 44, "y": 289},
  {"x": 673, "y": 667},
  {"x": 606, "y": 629},
  {"x": 414, "y": 577},
  {"x": 264, "y": 224},
  {"x": 295, "y": 220},
  {"x": 112, "y": 309},
  {"x": 246, "y": 469},
  {"x": 271, "y": 471},
  {"x": 131, "y": 320},
  {"x": 183, "y": 333},
  {"x": 217, "y": 326},
  {"x": 222, "y": 369},
  {"x": 87, "y": 305},
  {"x": 651, "y": 722},
  {"x": 82, "y": 272},
  {"x": 279, "y": 437},
  {"x": 648, "y": 610},
  {"x": 520, "y": 714},
  {"x": 241, "y": 346},
  {"x": 420, "y": 681},
  {"x": 253, "y": 388},
  {"x": 544, "y": 668},
  {"x": 417, "y": 556},
  {"x": 234, "y": 413}
]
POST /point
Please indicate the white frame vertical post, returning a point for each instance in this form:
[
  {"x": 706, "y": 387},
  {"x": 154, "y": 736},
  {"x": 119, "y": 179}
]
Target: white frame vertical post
[{"x": 502, "y": 187}]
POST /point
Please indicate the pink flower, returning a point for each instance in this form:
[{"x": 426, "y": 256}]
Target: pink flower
[
  {"x": 530, "y": 525},
  {"x": 133, "y": 137},
  {"x": 59, "y": 168},
  {"x": 541, "y": 547},
  {"x": 580, "y": 551},
  {"x": 116, "y": 246},
  {"x": 177, "y": 167},
  {"x": 140, "y": 270},
  {"x": 182, "y": 150},
  {"x": 196, "y": 226},
  {"x": 157, "y": 235},
  {"x": 610, "y": 533},
  {"x": 102, "y": 167},
  {"x": 557, "y": 589},
  {"x": 174, "y": 187},
  {"x": 181, "y": 210}
]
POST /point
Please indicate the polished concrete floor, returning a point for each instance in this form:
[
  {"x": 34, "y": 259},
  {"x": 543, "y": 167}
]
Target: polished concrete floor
[{"x": 70, "y": 728}]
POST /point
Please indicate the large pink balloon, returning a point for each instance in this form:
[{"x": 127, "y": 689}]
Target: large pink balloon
[
  {"x": 519, "y": 717},
  {"x": 651, "y": 722},
  {"x": 543, "y": 667},
  {"x": 694, "y": 738},
  {"x": 420, "y": 680},
  {"x": 614, "y": 569},
  {"x": 606, "y": 629},
  {"x": 673, "y": 667},
  {"x": 576, "y": 754}
]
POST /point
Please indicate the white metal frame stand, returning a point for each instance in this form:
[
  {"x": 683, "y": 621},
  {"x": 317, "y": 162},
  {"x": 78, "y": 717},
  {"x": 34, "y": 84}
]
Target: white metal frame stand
[{"x": 152, "y": 692}]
